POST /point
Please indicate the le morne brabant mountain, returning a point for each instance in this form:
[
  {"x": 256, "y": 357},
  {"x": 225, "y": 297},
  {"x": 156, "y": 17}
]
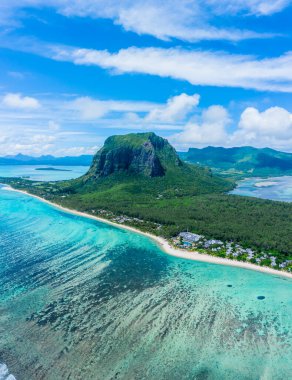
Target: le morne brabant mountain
[
  {"x": 241, "y": 162},
  {"x": 148, "y": 162},
  {"x": 141, "y": 178}
]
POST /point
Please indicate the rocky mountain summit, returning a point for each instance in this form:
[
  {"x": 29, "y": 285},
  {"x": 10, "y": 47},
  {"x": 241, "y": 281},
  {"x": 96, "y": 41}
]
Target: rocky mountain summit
[{"x": 138, "y": 153}]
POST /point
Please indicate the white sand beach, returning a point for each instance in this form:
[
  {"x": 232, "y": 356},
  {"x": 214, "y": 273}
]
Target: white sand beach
[{"x": 163, "y": 243}]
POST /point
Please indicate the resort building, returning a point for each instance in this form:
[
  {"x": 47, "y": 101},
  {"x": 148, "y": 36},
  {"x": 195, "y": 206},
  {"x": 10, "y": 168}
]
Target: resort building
[{"x": 190, "y": 237}]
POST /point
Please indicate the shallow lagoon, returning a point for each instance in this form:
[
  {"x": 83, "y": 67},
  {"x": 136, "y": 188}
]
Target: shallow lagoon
[
  {"x": 85, "y": 300},
  {"x": 30, "y": 172},
  {"x": 274, "y": 188}
]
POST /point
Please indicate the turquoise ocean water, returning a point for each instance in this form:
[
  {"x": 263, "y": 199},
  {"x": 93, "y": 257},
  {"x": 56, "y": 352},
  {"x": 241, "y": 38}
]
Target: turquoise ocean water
[
  {"x": 29, "y": 172},
  {"x": 84, "y": 300},
  {"x": 274, "y": 188}
]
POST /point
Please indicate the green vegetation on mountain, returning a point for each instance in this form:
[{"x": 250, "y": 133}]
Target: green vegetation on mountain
[
  {"x": 242, "y": 161},
  {"x": 144, "y": 153},
  {"x": 141, "y": 176}
]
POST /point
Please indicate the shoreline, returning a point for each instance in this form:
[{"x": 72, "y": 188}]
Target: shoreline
[{"x": 163, "y": 243}]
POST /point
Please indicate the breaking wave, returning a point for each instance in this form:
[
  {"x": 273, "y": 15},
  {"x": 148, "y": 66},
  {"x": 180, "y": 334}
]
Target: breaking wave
[{"x": 4, "y": 373}]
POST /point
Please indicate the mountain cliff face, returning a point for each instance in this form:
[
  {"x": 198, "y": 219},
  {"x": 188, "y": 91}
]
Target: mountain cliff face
[{"x": 140, "y": 153}]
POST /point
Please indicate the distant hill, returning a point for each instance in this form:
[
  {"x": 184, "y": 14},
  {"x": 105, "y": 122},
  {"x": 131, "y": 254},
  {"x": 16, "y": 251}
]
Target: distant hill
[
  {"x": 20, "y": 159},
  {"x": 242, "y": 161}
]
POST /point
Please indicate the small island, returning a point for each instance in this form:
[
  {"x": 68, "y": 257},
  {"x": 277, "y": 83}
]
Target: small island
[{"x": 53, "y": 169}]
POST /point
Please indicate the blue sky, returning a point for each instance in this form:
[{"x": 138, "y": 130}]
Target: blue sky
[{"x": 197, "y": 72}]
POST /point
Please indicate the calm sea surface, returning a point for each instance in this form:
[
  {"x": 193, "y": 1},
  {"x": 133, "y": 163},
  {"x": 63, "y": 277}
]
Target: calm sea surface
[
  {"x": 30, "y": 172},
  {"x": 274, "y": 188},
  {"x": 84, "y": 300}
]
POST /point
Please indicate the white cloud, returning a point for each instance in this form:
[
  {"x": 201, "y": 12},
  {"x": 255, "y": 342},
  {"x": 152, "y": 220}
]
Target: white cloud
[
  {"x": 183, "y": 19},
  {"x": 81, "y": 124},
  {"x": 90, "y": 108},
  {"x": 79, "y": 120},
  {"x": 211, "y": 130},
  {"x": 77, "y": 150},
  {"x": 268, "y": 7},
  {"x": 20, "y": 102},
  {"x": 256, "y": 7},
  {"x": 275, "y": 120},
  {"x": 26, "y": 143},
  {"x": 269, "y": 128},
  {"x": 42, "y": 138},
  {"x": 134, "y": 114},
  {"x": 176, "y": 109},
  {"x": 196, "y": 67}
]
